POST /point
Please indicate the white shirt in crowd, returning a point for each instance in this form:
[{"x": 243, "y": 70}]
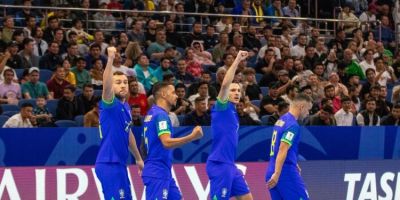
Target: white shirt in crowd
[
  {"x": 364, "y": 65},
  {"x": 298, "y": 51},
  {"x": 344, "y": 118},
  {"x": 16, "y": 121}
]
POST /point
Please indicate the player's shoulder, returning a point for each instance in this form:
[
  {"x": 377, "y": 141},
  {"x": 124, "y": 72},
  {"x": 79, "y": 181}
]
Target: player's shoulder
[
  {"x": 286, "y": 120},
  {"x": 155, "y": 113}
]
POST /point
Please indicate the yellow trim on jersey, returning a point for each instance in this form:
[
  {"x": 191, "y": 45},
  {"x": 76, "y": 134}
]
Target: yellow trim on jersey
[
  {"x": 286, "y": 141},
  {"x": 108, "y": 102},
  {"x": 164, "y": 132}
]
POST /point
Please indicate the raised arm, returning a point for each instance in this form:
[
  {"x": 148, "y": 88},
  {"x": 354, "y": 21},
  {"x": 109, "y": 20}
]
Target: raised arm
[
  {"x": 108, "y": 93},
  {"x": 230, "y": 74}
]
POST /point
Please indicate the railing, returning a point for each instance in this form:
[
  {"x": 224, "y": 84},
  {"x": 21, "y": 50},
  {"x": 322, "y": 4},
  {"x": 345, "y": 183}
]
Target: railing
[{"x": 47, "y": 9}]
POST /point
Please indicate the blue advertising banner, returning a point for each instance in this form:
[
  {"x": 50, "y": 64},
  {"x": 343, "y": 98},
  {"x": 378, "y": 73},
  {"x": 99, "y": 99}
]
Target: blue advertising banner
[{"x": 79, "y": 146}]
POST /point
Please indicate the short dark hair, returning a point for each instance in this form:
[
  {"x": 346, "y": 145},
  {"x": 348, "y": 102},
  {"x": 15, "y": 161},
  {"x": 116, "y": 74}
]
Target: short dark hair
[
  {"x": 307, "y": 87},
  {"x": 135, "y": 106},
  {"x": 324, "y": 101},
  {"x": 87, "y": 85},
  {"x": 180, "y": 85},
  {"x": 290, "y": 88},
  {"x": 328, "y": 87},
  {"x": 94, "y": 45},
  {"x": 282, "y": 106},
  {"x": 345, "y": 99},
  {"x": 396, "y": 106},
  {"x": 375, "y": 87},
  {"x": 70, "y": 87},
  {"x": 199, "y": 99},
  {"x": 369, "y": 99},
  {"x": 158, "y": 87},
  {"x": 328, "y": 109},
  {"x": 27, "y": 41},
  {"x": 25, "y": 105}
]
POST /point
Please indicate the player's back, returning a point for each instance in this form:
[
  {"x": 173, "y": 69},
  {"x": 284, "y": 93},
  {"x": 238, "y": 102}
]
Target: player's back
[
  {"x": 115, "y": 121},
  {"x": 224, "y": 125},
  {"x": 158, "y": 160},
  {"x": 287, "y": 130}
]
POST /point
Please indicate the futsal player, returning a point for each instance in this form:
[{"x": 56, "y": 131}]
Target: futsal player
[
  {"x": 283, "y": 173},
  {"x": 226, "y": 180},
  {"x": 116, "y": 135},
  {"x": 158, "y": 144}
]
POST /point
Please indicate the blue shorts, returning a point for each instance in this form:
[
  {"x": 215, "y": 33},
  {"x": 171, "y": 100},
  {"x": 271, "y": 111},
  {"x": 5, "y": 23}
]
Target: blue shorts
[
  {"x": 289, "y": 188},
  {"x": 114, "y": 180},
  {"x": 161, "y": 189},
  {"x": 226, "y": 180}
]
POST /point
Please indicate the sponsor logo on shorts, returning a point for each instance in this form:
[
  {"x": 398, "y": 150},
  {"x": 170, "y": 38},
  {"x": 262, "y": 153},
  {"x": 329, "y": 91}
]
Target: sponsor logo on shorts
[
  {"x": 121, "y": 194},
  {"x": 165, "y": 194},
  {"x": 224, "y": 192}
]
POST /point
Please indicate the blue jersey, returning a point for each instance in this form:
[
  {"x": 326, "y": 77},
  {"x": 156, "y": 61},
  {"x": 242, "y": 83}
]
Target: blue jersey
[
  {"x": 286, "y": 130},
  {"x": 158, "y": 162},
  {"x": 115, "y": 121},
  {"x": 224, "y": 126}
]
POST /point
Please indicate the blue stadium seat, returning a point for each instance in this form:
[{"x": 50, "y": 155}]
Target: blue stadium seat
[
  {"x": 264, "y": 91},
  {"x": 31, "y": 101},
  {"x": 45, "y": 75},
  {"x": 181, "y": 118},
  {"x": 66, "y": 123},
  {"x": 19, "y": 73},
  {"x": 52, "y": 106},
  {"x": 259, "y": 77},
  {"x": 3, "y": 119},
  {"x": 78, "y": 91},
  {"x": 264, "y": 119},
  {"x": 256, "y": 102},
  {"x": 9, "y": 107},
  {"x": 79, "y": 120},
  {"x": 10, "y": 113}
]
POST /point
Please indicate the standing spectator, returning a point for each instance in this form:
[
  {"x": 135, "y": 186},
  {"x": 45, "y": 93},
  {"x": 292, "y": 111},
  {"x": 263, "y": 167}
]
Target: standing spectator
[
  {"x": 34, "y": 88},
  {"x": 392, "y": 119},
  {"x": 81, "y": 74},
  {"x": 348, "y": 15},
  {"x": 42, "y": 114},
  {"x": 198, "y": 117},
  {"x": 136, "y": 98},
  {"x": 29, "y": 59},
  {"x": 24, "y": 119},
  {"x": 68, "y": 107},
  {"x": 57, "y": 83},
  {"x": 369, "y": 117},
  {"x": 51, "y": 59},
  {"x": 10, "y": 91},
  {"x": 344, "y": 117},
  {"x": 91, "y": 118},
  {"x": 259, "y": 10}
]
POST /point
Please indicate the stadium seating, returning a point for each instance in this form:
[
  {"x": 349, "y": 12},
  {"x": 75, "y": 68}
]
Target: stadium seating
[
  {"x": 10, "y": 113},
  {"x": 264, "y": 119},
  {"x": 9, "y": 107},
  {"x": 264, "y": 91},
  {"x": 45, "y": 75},
  {"x": 52, "y": 106},
  {"x": 79, "y": 120},
  {"x": 256, "y": 102},
  {"x": 66, "y": 123},
  {"x": 3, "y": 119},
  {"x": 31, "y": 101}
]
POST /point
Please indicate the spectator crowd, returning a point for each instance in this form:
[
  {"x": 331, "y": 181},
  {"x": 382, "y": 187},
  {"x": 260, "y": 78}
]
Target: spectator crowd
[{"x": 52, "y": 62}]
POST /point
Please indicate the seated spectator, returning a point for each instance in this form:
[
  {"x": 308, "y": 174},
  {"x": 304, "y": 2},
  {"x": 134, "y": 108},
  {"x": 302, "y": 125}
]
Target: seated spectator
[
  {"x": 14, "y": 60},
  {"x": 198, "y": 117},
  {"x": 145, "y": 74},
  {"x": 69, "y": 75},
  {"x": 202, "y": 91},
  {"x": 283, "y": 108},
  {"x": 220, "y": 49},
  {"x": 68, "y": 107},
  {"x": 302, "y": 76},
  {"x": 200, "y": 55},
  {"x": 29, "y": 59},
  {"x": 51, "y": 58},
  {"x": 81, "y": 74},
  {"x": 117, "y": 66},
  {"x": 384, "y": 74},
  {"x": 205, "y": 77},
  {"x": 344, "y": 117},
  {"x": 340, "y": 89},
  {"x": 8, "y": 29},
  {"x": 348, "y": 15},
  {"x": 382, "y": 109},
  {"x": 368, "y": 61},
  {"x": 96, "y": 73},
  {"x": 156, "y": 49},
  {"x": 244, "y": 118},
  {"x": 290, "y": 94},
  {"x": 104, "y": 19},
  {"x": 42, "y": 114},
  {"x": 369, "y": 117},
  {"x": 72, "y": 53},
  {"x": 269, "y": 103},
  {"x": 323, "y": 118},
  {"x": 137, "y": 34},
  {"x": 174, "y": 38},
  {"x": 10, "y": 91},
  {"x": 330, "y": 93},
  {"x": 163, "y": 69},
  {"x": 181, "y": 74},
  {"x": 91, "y": 118},
  {"x": 174, "y": 119},
  {"x": 193, "y": 67},
  {"x": 275, "y": 9},
  {"x": 299, "y": 50},
  {"x": 94, "y": 53},
  {"x": 150, "y": 33},
  {"x": 210, "y": 38},
  {"x": 396, "y": 94},
  {"x": 392, "y": 119},
  {"x": 23, "y": 119},
  {"x": 77, "y": 27},
  {"x": 57, "y": 83},
  {"x": 370, "y": 73},
  {"x": 196, "y": 34},
  {"x": 137, "y": 117},
  {"x": 87, "y": 99},
  {"x": 136, "y": 98},
  {"x": 34, "y": 88},
  {"x": 183, "y": 105},
  {"x": 250, "y": 40},
  {"x": 386, "y": 33}
]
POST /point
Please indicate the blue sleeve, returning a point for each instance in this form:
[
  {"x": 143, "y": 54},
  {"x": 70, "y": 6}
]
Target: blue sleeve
[
  {"x": 290, "y": 134},
  {"x": 162, "y": 124}
]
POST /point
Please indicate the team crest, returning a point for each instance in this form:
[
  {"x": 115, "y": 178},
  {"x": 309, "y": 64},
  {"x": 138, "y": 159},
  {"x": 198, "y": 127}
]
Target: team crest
[
  {"x": 165, "y": 194},
  {"x": 147, "y": 118},
  {"x": 121, "y": 194},
  {"x": 224, "y": 192}
]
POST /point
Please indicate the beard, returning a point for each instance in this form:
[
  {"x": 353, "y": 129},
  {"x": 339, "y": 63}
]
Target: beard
[{"x": 120, "y": 96}]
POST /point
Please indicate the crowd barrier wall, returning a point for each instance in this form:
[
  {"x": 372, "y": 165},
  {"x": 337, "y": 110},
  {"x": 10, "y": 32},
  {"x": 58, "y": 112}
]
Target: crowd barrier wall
[{"x": 79, "y": 146}]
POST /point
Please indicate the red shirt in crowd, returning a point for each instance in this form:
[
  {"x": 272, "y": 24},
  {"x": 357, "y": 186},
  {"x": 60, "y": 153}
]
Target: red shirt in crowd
[{"x": 140, "y": 100}]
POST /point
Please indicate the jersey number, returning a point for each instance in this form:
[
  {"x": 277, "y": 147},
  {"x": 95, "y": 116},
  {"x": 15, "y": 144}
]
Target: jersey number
[
  {"x": 146, "y": 141},
  {"x": 271, "y": 153}
]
